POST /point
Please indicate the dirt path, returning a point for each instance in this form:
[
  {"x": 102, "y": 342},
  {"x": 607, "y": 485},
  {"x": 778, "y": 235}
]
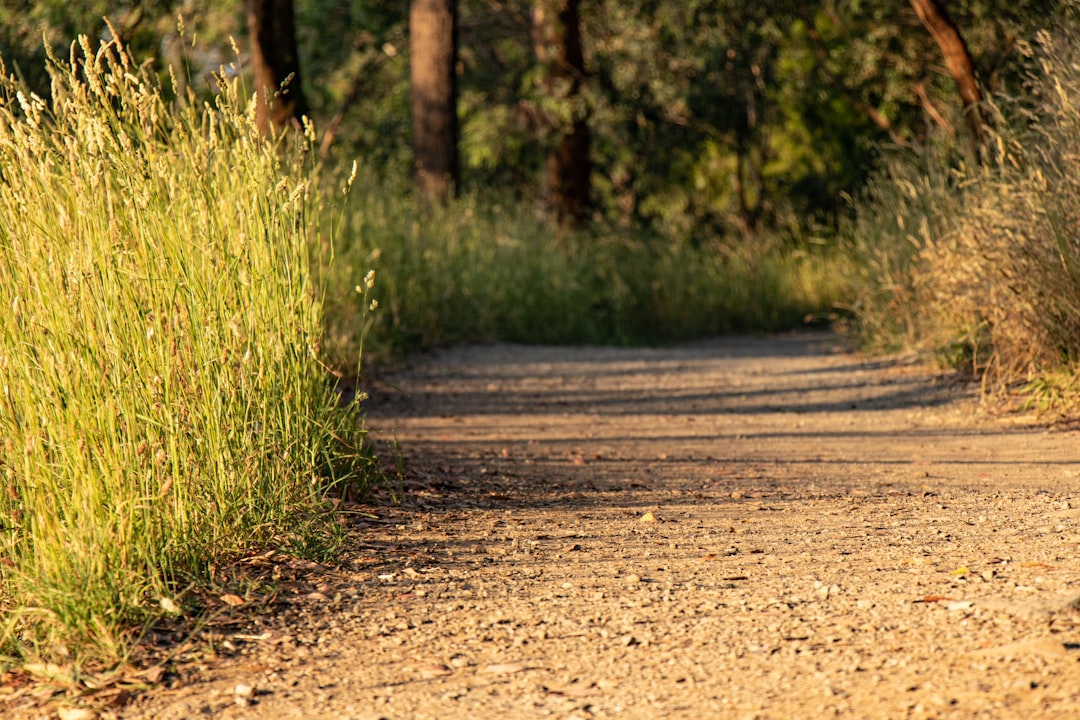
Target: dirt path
[{"x": 732, "y": 529}]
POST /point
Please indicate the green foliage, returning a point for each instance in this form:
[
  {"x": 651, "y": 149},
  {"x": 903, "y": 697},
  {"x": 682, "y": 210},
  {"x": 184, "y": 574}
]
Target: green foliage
[
  {"x": 482, "y": 271},
  {"x": 162, "y": 410},
  {"x": 711, "y": 119}
]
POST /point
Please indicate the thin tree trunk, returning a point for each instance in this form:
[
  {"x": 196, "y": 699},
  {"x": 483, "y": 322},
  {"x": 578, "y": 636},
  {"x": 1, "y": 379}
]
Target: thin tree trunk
[
  {"x": 928, "y": 107},
  {"x": 359, "y": 85},
  {"x": 433, "y": 72},
  {"x": 958, "y": 61},
  {"x": 557, "y": 39},
  {"x": 275, "y": 63}
]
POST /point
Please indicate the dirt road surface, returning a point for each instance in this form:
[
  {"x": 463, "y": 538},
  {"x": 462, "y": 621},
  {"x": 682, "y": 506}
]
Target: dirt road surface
[{"x": 739, "y": 528}]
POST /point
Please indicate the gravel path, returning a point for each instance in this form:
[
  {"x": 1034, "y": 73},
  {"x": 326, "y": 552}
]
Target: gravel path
[{"x": 739, "y": 528}]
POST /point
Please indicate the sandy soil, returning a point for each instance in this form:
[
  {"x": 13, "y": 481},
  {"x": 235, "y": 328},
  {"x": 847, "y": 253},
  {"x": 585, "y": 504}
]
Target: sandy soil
[{"x": 740, "y": 528}]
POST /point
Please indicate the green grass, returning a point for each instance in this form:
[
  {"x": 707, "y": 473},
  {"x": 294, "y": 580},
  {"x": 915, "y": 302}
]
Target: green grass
[
  {"x": 480, "y": 270},
  {"x": 162, "y": 408}
]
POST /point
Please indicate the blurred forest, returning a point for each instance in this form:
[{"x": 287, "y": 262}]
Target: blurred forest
[{"x": 705, "y": 119}]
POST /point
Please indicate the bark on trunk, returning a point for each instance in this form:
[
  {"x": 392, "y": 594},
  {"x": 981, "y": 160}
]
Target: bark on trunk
[
  {"x": 557, "y": 39},
  {"x": 954, "y": 50},
  {"x": 433, "y": 50},
  {"x": 275, "y": 64}
]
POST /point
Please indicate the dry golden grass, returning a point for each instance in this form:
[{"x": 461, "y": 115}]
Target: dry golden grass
[{"x": 983, "y": 267}]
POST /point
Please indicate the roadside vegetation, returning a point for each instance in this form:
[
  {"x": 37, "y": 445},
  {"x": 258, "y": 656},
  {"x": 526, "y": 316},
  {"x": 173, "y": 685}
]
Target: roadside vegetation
[
  {"x": 480, "y": 270},
  {"x": 979, "y": 266},
  {"x": 162, "y": 409}
]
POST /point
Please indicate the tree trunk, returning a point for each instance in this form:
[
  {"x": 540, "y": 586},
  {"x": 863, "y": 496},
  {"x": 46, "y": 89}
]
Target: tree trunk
[
  {"x": 275, "y": 64},
  {"x": 557, "y": 40},
  {"x": 433, "y": 72},
  {"x": 958, "y": 62}
]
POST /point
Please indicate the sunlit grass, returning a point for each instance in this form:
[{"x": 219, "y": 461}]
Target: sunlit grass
[
  {"x": 162, "y": 408},
  {"x": 982, "y": 268},
  {"x": 480, "y": 270}
]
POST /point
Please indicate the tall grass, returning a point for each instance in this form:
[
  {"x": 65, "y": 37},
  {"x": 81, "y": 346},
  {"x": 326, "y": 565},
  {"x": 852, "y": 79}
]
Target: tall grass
[
  {"x": 908, "y": 212},
  {"x": 480, "y": 270},
  {"x": 985, "y": 269},
  {"x": 161, "y": 406}
]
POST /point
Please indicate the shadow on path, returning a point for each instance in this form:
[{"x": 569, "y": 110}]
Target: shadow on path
[{"x": 787, "y": 417}]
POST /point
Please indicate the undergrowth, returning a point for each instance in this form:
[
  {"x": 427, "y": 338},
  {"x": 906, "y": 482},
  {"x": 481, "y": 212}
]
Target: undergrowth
[
  {"x": 478, "y": 270},
  {"x": 981, "y": 267},
  {"x": 162, "y": 408}
]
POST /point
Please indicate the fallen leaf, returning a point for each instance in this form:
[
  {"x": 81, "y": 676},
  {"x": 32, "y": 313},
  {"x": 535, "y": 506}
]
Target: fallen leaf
[
  {"x": 435, "y": 670},
  {"x": 1045, "y": 647},
  {"x": 75, "y": 713},
  {"x": 153, "y": 674},
  {"x": 961, "y": 571},
  {"x": 49, "y": 671},
  {"x": 505, "y": 668},
  {"x": 115, "y": 698},
  {"x": 575, "y": 691},
  {"x": 262, "y": 636},
  {"x": 232, "y": 600}
]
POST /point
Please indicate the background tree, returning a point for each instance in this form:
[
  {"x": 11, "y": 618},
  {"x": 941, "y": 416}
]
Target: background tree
[
  {"x": 275, "y": 63},
  {"x": 713, "y": 120},
  {"x": 433, "y": 92},
  {"x": 958, "y": 61},
  {"x": 558, "y": 47}
]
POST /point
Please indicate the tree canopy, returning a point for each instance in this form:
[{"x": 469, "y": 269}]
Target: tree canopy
[{"x": 703, "y": 118}]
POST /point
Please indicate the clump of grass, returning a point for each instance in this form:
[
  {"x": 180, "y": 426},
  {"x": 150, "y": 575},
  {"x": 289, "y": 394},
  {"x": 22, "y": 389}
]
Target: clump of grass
[
  {"x": 985, "y": 269},
  {"x": 484, "y": 270},
  {"x": 162, "y": 409},
  {"x": 908, "y": 211}
]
